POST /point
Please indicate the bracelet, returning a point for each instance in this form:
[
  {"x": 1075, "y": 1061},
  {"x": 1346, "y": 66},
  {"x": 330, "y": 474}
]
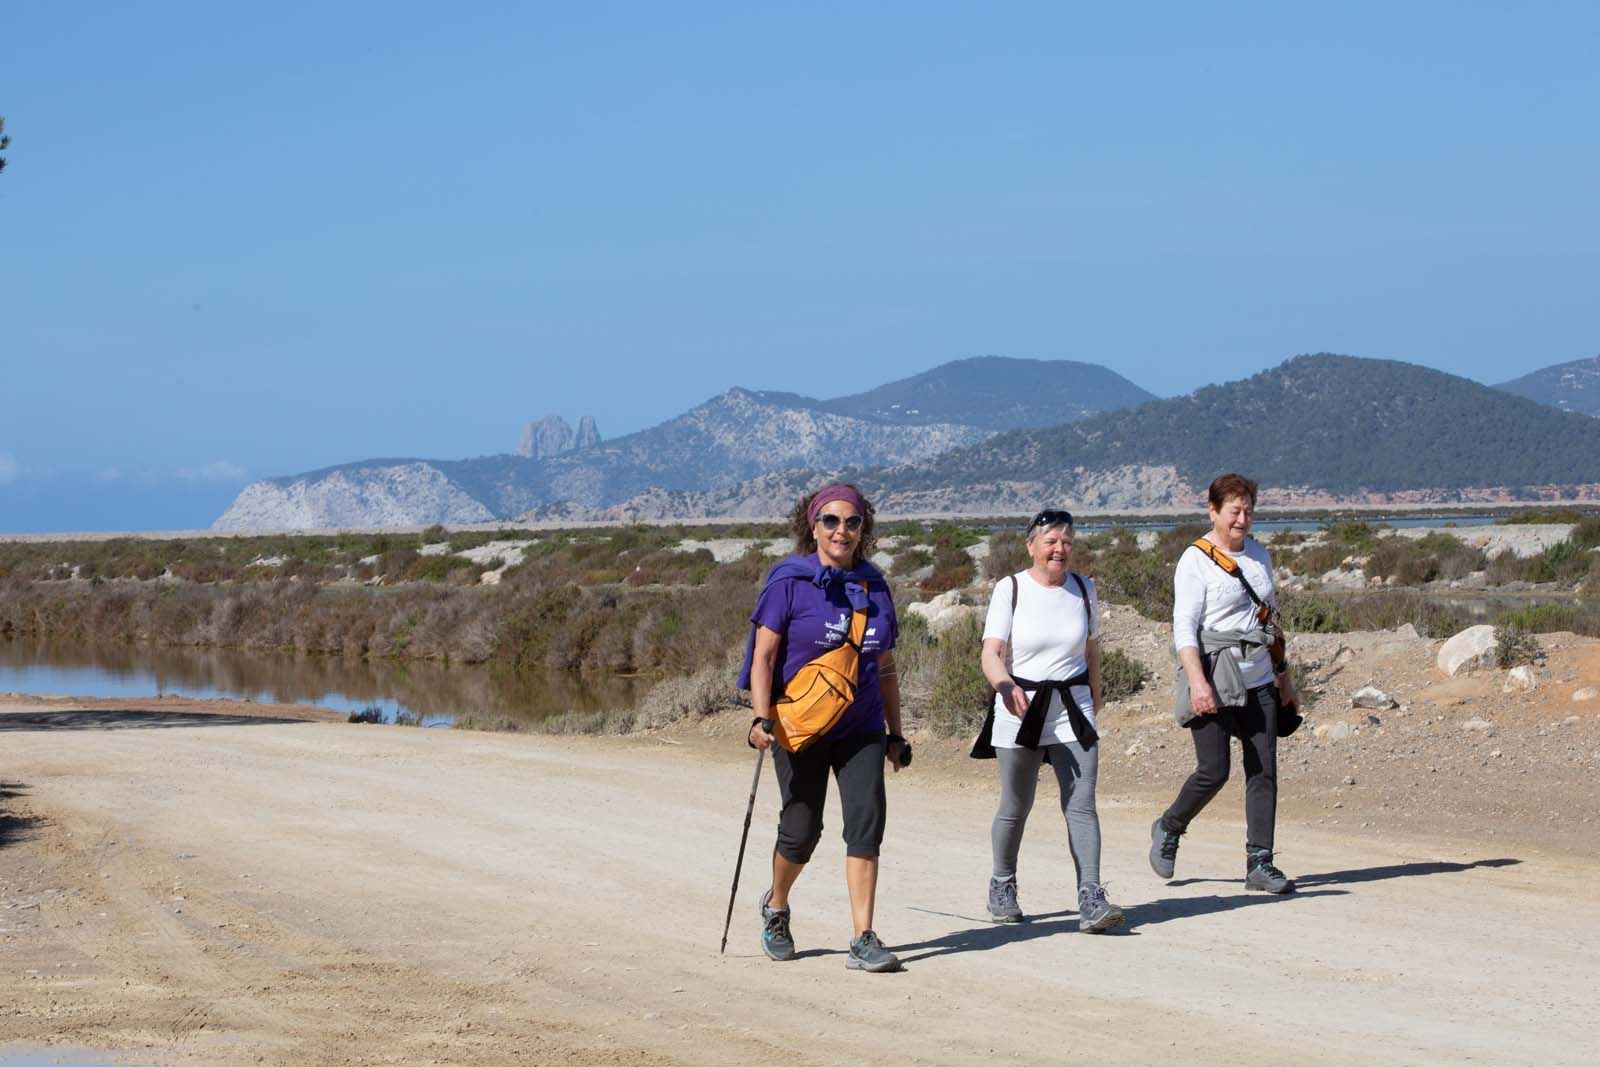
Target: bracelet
[{"x": 1280, "y": 667}]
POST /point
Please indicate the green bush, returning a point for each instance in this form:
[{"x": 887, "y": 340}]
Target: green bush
[
  {"x": 1586, "y": 534},
  {"x": 960, "y": 696},
  {"x": 1434, "y": 557},
  {"x": 1543, "y": 516},
  {"x": 1353, "y": 533},
  {"x": 1308, "y": 613},
  {"x": 1514, "y": 648},
  {"x": 910, "y": 559},
  {"x": 1541, "y": 619},
  {"x": 1121, "y": 675}
]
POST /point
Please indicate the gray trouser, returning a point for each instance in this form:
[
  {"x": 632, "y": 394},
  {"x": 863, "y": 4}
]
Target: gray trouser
[{"x": 1019, "y": 780}]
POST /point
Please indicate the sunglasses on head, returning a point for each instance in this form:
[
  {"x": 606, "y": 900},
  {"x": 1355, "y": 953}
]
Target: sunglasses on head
[
  {"x": 1051, "y": 517},
  {"x": 831, "y": 522}
]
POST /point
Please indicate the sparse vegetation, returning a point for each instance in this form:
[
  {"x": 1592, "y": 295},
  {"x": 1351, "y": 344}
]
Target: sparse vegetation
[
  {"x": 1121, "y": 675},
  {"x": 960, "y": 694},
  {"x": 1008, "y": 554},
  {"x": 1514, "y": 648}
]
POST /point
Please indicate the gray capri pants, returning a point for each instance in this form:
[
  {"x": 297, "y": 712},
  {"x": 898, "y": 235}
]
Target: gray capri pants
[{"x": 1076, "y": 770}]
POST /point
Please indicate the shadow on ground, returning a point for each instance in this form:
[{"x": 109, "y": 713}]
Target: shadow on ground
[
  {"x": 1369, "y": 874},
  {"x": 987, "y": 935},
  {"x": 13, "y": 828},
  {"x": 113, "y": 719}
]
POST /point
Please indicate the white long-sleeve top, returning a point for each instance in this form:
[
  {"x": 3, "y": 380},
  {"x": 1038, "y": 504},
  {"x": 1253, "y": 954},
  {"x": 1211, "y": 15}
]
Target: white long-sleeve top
[{"x": 1206, "y": 597}]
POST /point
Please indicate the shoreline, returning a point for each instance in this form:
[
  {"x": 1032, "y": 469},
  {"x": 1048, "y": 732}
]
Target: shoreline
[{"x": 1138, "y": 515}]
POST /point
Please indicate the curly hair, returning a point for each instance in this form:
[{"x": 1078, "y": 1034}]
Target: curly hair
[
  {"x": 805, "y": 542},
  {"x": 1228, "y": 486}
]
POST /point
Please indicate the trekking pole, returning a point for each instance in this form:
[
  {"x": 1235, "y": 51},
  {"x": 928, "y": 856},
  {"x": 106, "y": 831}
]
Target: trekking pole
[{"x": 761, "y": 754}]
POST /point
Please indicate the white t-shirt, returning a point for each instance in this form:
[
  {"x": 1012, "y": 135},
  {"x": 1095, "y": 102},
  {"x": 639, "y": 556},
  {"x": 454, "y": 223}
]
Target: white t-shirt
[
  {"x": 1046, "y": 639},
  {"x": 1204, "y": 596}
]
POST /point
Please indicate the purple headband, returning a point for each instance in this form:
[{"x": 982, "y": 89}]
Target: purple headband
[{"x": 829, "y": 495}]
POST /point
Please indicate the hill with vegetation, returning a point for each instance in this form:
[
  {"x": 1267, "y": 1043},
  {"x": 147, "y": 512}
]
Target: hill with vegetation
[
  {"x": 1329, "y": 424},
  {"x": 1573, "y": 386},
  {"x": 997, "y": 393}
]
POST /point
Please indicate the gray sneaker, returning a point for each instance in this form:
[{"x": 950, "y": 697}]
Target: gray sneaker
[
  {"x": 867, "y": 953},
  {"x": 776, "y": 940},
  {"x": 1096, "y": 914},
  {"x": 1003, "y": 906},
  {"x": 1163, "y": 850},
  {"x": 1260, "y": 876}
]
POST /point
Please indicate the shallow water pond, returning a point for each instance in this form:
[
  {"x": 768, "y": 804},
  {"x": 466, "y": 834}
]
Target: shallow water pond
[{"x": 435, "y": 694}]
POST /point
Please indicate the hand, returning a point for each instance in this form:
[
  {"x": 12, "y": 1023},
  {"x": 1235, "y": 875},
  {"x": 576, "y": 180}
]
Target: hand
[
  {"x": 759, "y": 737},
  {"x": 1016, "y": 700},
  {"x": 1286, "y": 690},
  {"x": 1202, "y": 698},
  {"x": 898, "y": 752}
]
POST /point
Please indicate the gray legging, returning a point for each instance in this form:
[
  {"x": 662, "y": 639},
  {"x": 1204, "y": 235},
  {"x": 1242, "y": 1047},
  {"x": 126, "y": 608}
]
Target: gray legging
[{"x": 1019, "y": 779}]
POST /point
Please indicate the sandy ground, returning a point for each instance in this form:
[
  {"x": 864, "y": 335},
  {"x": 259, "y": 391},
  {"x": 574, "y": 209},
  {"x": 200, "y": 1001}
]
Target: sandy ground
[{"x": 183, "y": 889}]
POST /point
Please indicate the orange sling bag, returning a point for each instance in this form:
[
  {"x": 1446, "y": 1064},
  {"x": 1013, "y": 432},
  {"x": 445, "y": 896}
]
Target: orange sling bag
[{"x": 820, "y": 692}]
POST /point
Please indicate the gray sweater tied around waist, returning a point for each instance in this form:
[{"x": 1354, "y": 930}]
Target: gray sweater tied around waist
[{"x": 1222, "y": 669}]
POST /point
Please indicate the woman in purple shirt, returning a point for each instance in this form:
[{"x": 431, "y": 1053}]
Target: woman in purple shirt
[{"x": 803, "y": 611}]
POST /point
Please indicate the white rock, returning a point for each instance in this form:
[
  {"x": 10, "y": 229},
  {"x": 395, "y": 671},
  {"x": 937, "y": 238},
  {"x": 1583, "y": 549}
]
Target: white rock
[
  {"x": 1407, "y": 632},
  {"x": 1333, "y": 731},
  {"x": 1588, "y": 692},
  {"x": 1520, "y": 678},
  {"x": 1369, "y": 696},
  {"x": 1477, "y": 725},
  {"x": 944, "y": 610},
  {"x": 1468, "y": 650}
]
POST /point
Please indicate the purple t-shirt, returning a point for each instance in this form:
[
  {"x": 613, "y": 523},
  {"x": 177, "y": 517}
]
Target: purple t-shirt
[{"x": 810, "y": 620}]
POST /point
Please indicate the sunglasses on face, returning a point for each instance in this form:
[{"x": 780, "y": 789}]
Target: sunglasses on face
[
  {"x": 831, "y": 522},
  {"x": 1051, "y": 517}
]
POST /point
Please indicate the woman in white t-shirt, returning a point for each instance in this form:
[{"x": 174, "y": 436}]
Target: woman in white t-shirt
[
  {"x": 1041, "y": 652},
  {"x": 1212, "y": 609}
]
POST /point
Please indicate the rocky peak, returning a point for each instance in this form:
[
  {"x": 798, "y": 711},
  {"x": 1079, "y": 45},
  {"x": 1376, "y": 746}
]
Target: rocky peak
[{"x": 553, "y": 435}]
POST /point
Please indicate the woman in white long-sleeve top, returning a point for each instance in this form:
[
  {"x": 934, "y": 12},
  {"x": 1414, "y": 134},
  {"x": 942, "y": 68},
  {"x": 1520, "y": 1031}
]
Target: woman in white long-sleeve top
[{"x": 1231, "y": 685}]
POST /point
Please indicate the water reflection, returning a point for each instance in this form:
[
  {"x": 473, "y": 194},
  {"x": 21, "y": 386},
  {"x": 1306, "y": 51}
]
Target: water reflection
[{"x": 437, "y": 694}]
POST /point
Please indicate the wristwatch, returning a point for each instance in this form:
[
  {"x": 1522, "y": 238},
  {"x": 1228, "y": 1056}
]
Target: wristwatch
[{"x": 1280, "y": 666}]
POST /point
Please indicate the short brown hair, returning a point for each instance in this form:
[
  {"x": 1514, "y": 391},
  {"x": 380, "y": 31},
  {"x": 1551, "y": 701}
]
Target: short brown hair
[
  {"x": 1228, "y": 486},
  {"x": 805, "y": 542}
]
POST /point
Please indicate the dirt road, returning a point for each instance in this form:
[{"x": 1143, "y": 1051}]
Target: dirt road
[{"x": 184, "y": 891}]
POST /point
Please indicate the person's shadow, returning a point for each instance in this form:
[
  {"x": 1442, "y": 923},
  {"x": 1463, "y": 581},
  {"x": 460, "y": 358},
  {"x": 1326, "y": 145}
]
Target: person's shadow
[
  {"x": 1370, "y": 874},
  {"x": 986, "y": 935},
  {"x": 992, "y": 935}
]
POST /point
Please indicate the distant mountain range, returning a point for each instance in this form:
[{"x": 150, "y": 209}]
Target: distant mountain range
[
  {"x": 1316, "y": 430},
  {"x": 728, "y": 440},
  {"x": 1573, "y": 386}
]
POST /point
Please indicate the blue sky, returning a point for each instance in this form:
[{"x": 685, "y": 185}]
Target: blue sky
[{"x": 237, "y": 243}]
